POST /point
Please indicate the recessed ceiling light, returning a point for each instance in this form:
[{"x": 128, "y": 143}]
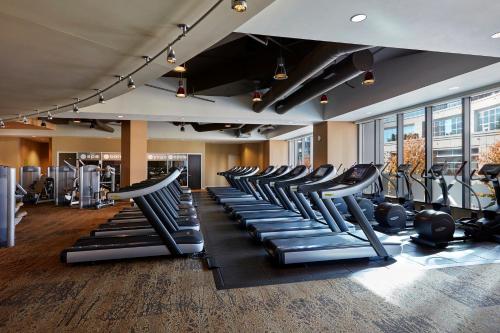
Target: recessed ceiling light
[
  {"x": 454, "y": 88},
  {"x": 358, "y": 18},
  {"x": 120, "y": 116},
  {"x": 495, "y": 35}
]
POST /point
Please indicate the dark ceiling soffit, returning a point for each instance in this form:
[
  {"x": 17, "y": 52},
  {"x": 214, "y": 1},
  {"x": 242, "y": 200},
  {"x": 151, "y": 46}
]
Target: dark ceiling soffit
[
  {"x": 347, "y": 69},
  {"x": 318, "y": 59}
]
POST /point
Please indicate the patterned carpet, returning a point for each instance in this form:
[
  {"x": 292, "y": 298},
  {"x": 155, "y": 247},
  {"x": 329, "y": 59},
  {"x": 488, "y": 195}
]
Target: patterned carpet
[{"x": 39, "y": 294}]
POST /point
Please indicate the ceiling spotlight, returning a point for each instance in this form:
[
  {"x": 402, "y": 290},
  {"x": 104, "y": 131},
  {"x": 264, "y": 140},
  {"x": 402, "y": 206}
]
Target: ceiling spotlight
[
  {"x": 180, "y": 68},
  {"x": 2, "y": 124},
  {"x": 227, "y": 125},
  {"x": 130, "y": 84},
  {"x": 77, "y": 121},
  {"x": 323, "y": 99},
  {"x": 171, "y": 56},
  {"x": 496, "y": 35},
  {"x": 239, "y": 6},
  {"x": 280, "y": 72},
  {"x": 181, "y": 92},
  {"x": 25, "y": 120},
  {"x": 49, "y": 116},
  {"x": 120, "y": 116},
  {"x": 257, "y": 96},
  {"x": 43, "y": 124},
  {"x": 101, "y": 97},
  {"x": 368, "y": 79},
  {"x": 358, "y": 18}
]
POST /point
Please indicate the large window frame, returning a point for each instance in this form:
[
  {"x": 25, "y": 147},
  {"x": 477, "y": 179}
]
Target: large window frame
[
  {"x": 485, "y": 121},
  {"x": 297, "y": 150}
]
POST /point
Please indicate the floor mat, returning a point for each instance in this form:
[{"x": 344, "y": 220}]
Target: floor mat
[{"x": 238, "y": 262}]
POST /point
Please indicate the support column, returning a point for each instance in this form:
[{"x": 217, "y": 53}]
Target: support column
[
  {"x": 134, "y": 143},
  {"x": 335, "y": 142},
  {"x": 275, "y": 153}
]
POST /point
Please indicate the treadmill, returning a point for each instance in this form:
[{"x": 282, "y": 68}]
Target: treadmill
[
  {"x": 311, "y": 224},
  {"x": 168, "y": 239},
  {"x": 285, "y": 212},
  {"x": 264, "y": 201},
  {"x": 342, "y": 243},
  {"x": 244, "y": 192}
]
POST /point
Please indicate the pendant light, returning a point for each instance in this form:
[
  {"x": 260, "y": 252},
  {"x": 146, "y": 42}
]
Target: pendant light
[
  {"x": 43, "y": 124},
  {"x": 25, "y": 120},
  {"x": 257, "y": 96},
  {"x": 368, "y": 79},
  {"x": 280, "y": 72},
  {"x": 49, "y": 116},
  {"x": 2, "y": 124},
  {"x": 171, "y": 56},
  {"x": 323, "y": 99},
  {"x": 239, "y": 6},
  {"x": 181, "y": 92}
]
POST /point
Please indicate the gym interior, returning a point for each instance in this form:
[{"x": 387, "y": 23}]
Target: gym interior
[{"x": 250, "y": 166}]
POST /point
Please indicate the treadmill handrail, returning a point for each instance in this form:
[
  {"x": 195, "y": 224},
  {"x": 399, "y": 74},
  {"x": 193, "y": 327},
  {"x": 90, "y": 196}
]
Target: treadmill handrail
[
  {"x": 139, "y": 192},
  {"x": 335, "y": 188}
]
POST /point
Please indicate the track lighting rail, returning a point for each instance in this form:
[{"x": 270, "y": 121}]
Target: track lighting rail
[{"x": 70, "y": 106}]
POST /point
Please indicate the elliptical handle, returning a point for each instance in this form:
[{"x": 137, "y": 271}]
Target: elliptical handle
[
  {"x": 414, "y": 169},
  {"x": 459, "y": 171}
]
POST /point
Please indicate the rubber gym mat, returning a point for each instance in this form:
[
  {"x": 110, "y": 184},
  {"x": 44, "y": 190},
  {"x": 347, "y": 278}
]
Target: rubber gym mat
[{"x": 238, "y": 262}]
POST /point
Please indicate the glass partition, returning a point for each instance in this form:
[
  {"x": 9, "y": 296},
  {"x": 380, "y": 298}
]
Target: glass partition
[
  {"x": 414, "y": 148},
  {"x": 447, "y": 146},
  {"x": 485, "y": 140},
  {"x": 390, "y": 154}
]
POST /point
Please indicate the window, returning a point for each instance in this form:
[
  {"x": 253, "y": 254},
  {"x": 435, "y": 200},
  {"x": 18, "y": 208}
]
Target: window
[
  {"x": 487, "y": 120},
  {"x": 485, "y": 140},
  {"x": 447, "y": 146},
  {"x": 449, "y": 126},
  {"x": 390, "y": 134},
  {"x": 414, "y": 149},
  {"x": 390, "y": 152},
  {"x": 446, "y": 132},
  {"x": 300, "y": 151}
]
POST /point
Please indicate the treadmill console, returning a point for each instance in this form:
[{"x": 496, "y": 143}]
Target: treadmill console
[
  {"x": 320, "y": 172},
  {"x": 356, "y": 173},
  {"x": 297, "y": 170},
  {"x": 491, "y": 170}
]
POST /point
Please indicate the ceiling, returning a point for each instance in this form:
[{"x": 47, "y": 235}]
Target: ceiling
[
  {"x": 455, "y": 26},
  {"x": 53, "y": 51}
]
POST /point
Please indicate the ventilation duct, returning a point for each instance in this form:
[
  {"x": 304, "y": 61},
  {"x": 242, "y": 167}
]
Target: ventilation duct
[
  {"x": 347, "y": 69},
  {"x": 321, "y": 56}
]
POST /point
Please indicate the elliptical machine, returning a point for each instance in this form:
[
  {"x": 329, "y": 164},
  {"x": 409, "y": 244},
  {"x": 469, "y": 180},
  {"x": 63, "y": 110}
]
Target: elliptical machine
[
  {"x": 436, "y": 227},
  {"x": 486, "y": 228},
  {"x": 395, "y": 217}
]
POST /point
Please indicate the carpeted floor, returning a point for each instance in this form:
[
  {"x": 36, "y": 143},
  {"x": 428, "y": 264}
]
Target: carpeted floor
[{"x": 38, "y": 293}]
